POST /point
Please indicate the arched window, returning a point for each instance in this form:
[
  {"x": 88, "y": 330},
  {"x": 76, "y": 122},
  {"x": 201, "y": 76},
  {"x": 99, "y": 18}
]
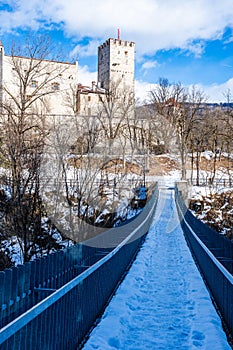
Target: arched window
[{"x": 56, "y": 86}]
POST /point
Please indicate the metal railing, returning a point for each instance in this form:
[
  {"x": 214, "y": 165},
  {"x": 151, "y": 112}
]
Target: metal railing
[
  {"x": 53, "y": 302},
  {"x": 214, "y": 256},
  {"x": 203, "y": 181}
]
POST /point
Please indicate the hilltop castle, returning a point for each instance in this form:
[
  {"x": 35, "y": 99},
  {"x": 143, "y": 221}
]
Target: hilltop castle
[{"x": 57, "y": 82}]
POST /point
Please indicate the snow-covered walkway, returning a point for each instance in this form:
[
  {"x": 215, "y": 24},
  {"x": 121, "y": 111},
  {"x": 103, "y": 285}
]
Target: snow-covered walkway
[{"x": 162, "y": 304}]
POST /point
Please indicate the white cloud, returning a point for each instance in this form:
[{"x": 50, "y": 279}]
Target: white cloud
[
  {"x": 85, "y": 77},
  {"x": 153, "y": 24},
  {"x": 87, "y": 50},
  {"x": 196, "y": 48},
  {"x": 217, "y": 92},
  {"x": 142, "y": 90},
  {"x": 150, "y": 65}
]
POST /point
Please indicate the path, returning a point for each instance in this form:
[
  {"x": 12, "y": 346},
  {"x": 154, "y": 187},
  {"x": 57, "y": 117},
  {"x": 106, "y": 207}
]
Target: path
[{"x": 162, "y": 303}]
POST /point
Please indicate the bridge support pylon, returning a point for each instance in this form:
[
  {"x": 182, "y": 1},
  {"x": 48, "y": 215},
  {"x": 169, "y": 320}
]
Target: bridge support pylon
[{"x": 183, "y": 188}]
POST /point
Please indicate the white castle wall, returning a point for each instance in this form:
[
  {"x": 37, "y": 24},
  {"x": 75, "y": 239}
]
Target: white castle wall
[{"x": 58, "y": 90}]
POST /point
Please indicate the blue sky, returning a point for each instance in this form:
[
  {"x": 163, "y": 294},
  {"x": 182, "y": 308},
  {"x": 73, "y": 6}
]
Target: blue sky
[{"x": 187, "y": 41}]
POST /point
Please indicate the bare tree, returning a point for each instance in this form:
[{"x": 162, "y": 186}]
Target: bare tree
[
  {"x": 24, "y": 129},
  {"x": 200, "y": 138},
  {"x": 164, "y": 108},
  {"x": 188, "y": 114},
  {"x": 115, "y": 106},
  {"x": 228, "y": 131},
  {"x": 180, "y": 108}
]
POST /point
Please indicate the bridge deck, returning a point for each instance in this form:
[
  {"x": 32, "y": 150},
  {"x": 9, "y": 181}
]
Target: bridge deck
[{"x": 163, "y": 303}]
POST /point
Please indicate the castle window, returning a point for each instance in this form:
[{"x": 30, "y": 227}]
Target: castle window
[
  {"x": 56, "y": 86},
  {"x": 126, "y": 53},
  {"x": 34, "y": 84},
  {"x": 89, "y": 98}
]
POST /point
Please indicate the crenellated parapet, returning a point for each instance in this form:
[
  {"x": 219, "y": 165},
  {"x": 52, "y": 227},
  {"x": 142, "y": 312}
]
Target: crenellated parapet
[{"x": 117, "y": 42}]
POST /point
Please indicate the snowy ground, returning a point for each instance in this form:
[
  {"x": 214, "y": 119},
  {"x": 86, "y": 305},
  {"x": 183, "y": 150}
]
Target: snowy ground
[{"x": 163, "y": 303}]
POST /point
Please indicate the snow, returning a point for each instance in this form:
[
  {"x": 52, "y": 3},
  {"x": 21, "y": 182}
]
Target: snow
[
  {"x": 198, "y": 192},
  {"x": 207, "y": 154},
  {"x": 162, "y": 303},
  {"x": 12, "y": 247},
  {"x": 165, "y": 180}
]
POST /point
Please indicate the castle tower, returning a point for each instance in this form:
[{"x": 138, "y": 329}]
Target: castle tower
[{"x": 116, "y": 63}]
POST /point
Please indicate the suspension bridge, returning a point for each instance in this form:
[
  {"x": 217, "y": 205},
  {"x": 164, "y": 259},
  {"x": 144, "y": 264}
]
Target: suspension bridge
[{"x": 176, "y": 294}]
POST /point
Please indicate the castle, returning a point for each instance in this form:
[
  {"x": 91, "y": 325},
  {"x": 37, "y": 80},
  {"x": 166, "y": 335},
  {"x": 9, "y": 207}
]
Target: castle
[
  {"x": 115, "y": 67},
  {"x": 52, "y": 87}
]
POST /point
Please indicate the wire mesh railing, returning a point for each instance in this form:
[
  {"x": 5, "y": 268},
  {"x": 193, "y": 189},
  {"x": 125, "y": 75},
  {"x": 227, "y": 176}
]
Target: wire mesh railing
[
  {"x": 51, "y": 303},
  {"x": 214, "y": 256}
]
